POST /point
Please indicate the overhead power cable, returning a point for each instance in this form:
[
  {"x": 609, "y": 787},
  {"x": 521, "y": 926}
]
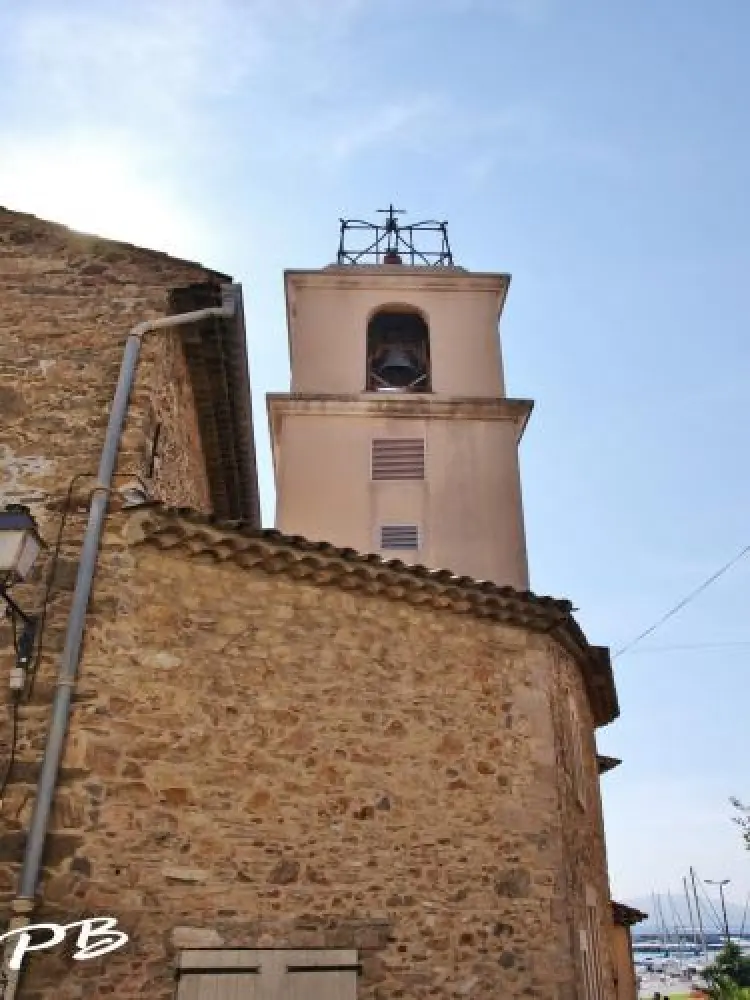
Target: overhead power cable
[
  {"x": 694, "y": 645},
  {"x": 686, "y": 600}
]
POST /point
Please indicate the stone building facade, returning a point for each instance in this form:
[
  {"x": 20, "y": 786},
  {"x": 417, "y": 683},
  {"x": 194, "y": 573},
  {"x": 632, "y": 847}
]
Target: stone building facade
[
  {"x": 68, "y": 302},
  {"x": 281, "y": 754},
  {"x": 623, "y": 918}
]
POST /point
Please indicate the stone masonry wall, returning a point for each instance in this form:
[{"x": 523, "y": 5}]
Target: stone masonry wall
[
  {"x": 176, "y": 462},
  {"x": 582, "y": 824},
  {"x": 258, "y": 761},
  {"x": 67, "y": 302}
]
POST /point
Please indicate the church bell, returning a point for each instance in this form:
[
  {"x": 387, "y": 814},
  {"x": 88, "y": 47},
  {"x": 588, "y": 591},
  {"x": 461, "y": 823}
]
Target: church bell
[{"x": 398, "y": 369}]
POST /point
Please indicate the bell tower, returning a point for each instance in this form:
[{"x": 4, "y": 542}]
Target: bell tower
[{"x": 397, "y": 436}]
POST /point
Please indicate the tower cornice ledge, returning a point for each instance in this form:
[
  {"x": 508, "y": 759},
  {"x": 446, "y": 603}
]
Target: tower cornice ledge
[
  {"x": 411, "y": 405},
  {"x": 361, "y": 275},
  {"x": 401, "y": 279}
]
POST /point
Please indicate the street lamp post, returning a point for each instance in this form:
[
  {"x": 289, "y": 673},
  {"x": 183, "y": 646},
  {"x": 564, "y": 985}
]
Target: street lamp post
[{"x": 721, "y": 883}]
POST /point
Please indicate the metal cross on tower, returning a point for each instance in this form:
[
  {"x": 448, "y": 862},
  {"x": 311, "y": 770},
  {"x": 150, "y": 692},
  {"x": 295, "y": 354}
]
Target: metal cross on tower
[{"x": 418, "y": 244}]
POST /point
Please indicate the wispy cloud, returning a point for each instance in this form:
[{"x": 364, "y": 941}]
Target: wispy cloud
[
  {"x": 110, "y": 100},
  {"x": 143, "y": 65},
  {"x": 114, "y": 102},
  {"x": 531, "y": 13},
  {"x": 528, "y": 133},
  {"x": 152, "y": 62},
  {"x": 399, "y": 123},
  {"x": 128, "y": 97},
  {"x": 437, "y": 125},
  {"x": 442, "y": 128}
]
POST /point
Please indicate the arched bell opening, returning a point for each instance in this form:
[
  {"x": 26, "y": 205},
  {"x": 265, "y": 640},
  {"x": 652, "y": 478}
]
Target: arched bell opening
[{"x": 398, "y": 352}]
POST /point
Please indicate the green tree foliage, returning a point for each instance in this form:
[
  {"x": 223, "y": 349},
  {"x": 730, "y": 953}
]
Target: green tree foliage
[
  {"x": 729, "y": 974},
  {"x": 727, "y": 990},
  {"x": 742, "y": 820}
]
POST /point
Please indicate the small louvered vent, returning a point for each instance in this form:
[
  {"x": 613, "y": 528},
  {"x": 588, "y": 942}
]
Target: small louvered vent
[
  {"x": 399, "y": 536},
  {"x": 398, "y": 458}
]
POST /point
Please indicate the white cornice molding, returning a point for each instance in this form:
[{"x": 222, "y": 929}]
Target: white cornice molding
[
  {"x": 416, "y": 406},
  {"x": 400, "y": 278}
]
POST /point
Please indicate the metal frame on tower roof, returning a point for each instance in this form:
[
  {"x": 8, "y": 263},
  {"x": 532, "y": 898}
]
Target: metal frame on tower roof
[{"x": 392, "y": 243}]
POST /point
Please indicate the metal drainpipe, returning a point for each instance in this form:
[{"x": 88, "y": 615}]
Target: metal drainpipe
[{"x": 23, "y": 905}]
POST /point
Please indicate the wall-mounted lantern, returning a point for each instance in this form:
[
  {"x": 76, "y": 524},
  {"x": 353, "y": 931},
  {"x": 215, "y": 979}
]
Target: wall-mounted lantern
[{"x": 20, "y": 545}]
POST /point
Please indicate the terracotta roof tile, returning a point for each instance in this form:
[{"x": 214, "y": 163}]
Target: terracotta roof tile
[
  {"x": 625, "y": 915},
  {"x": 233, "y": 540},
  {"x": 605, "y": 764}
]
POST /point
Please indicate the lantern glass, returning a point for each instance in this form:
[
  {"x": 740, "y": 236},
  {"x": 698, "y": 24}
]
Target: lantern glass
[
  {"x": 19, "y": 544},
  {"x": 27, "y": 557}
]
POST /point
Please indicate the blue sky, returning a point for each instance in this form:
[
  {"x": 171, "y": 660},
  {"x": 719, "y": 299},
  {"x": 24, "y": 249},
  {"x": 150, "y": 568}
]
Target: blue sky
[{"x": 598, "y": 152}]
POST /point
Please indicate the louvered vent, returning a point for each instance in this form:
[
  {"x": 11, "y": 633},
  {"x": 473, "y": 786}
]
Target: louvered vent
[
  {"x": 398, "y": 458},
  {"x": 399, "y": 536}
]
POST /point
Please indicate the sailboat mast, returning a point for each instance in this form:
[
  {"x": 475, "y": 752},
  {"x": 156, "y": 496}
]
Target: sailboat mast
[
  {"x": 657, "y": 916},
  {"x": 663, "y": 923},
  {"x": 698, "y": 911},
  {"x": 690, "y": 910},
  {"x": 678, "y": 925},
  {"x": 744, "y": 915}
]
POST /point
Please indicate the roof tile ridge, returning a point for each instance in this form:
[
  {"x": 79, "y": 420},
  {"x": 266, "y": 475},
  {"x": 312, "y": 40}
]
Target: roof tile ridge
[{"x": 481, "y": 590}]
